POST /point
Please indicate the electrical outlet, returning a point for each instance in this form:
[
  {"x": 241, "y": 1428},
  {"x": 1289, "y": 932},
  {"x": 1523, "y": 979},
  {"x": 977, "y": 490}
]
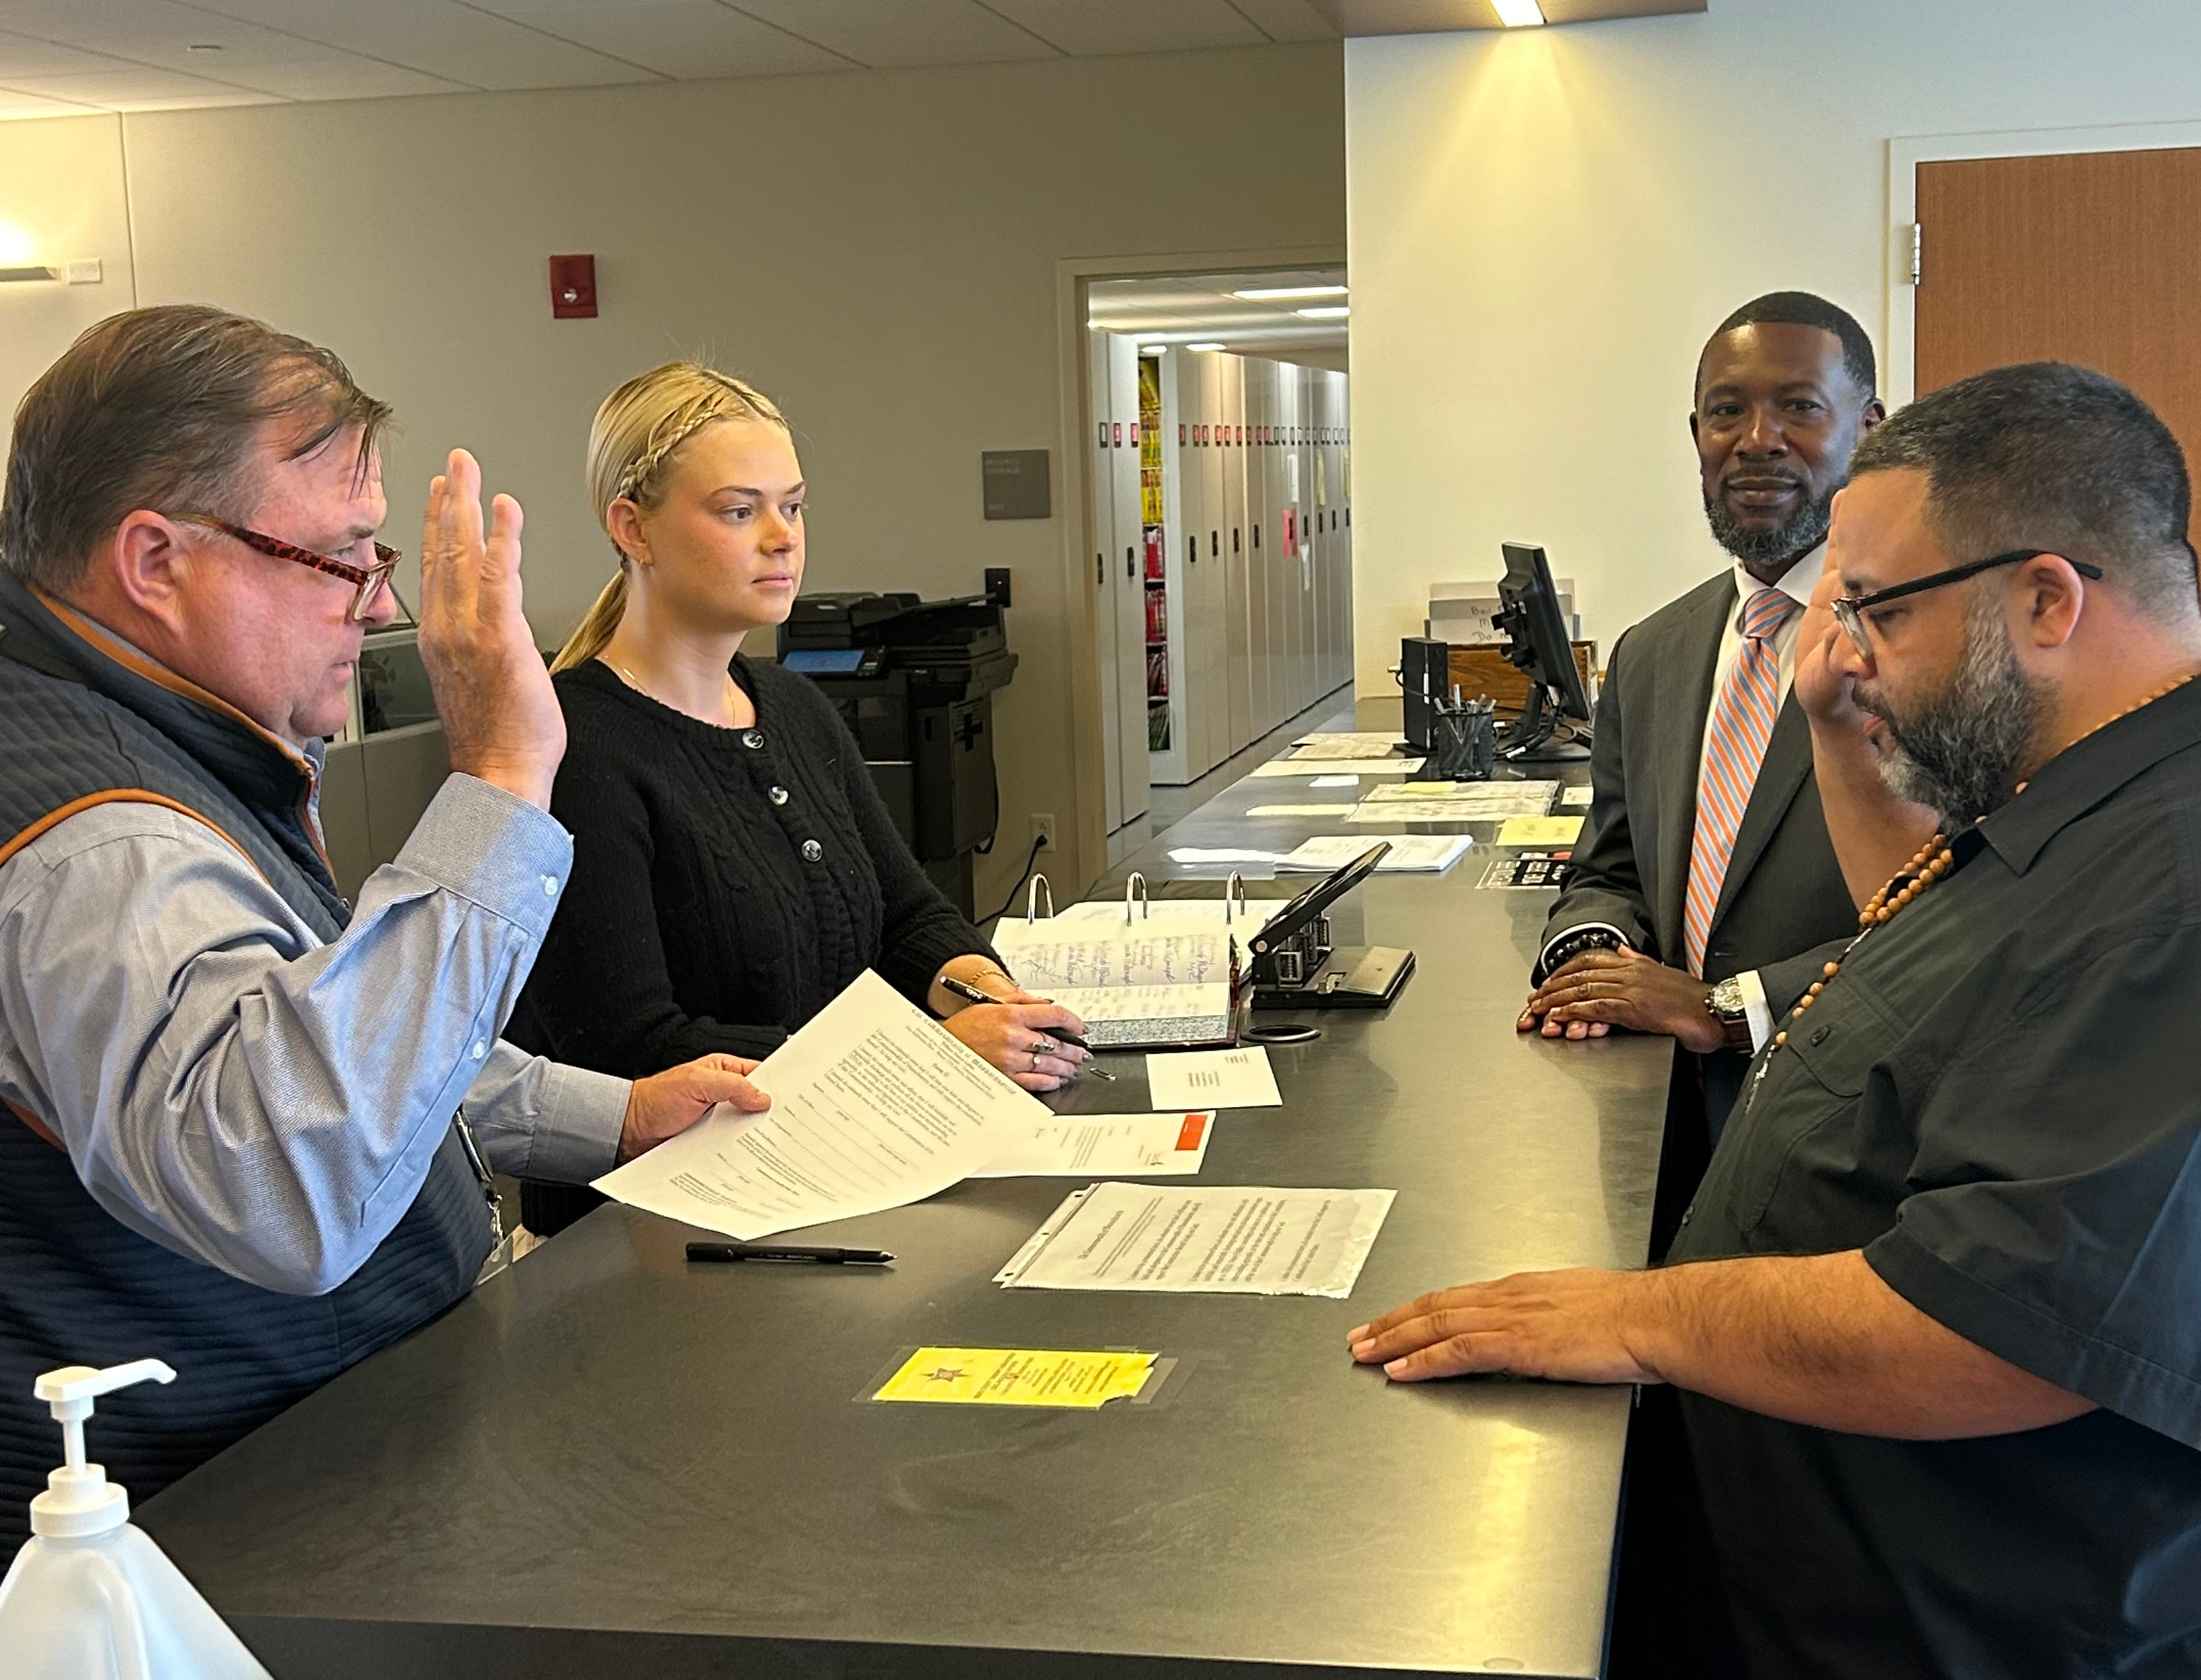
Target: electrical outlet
[{"x": 1042, "y": 829}]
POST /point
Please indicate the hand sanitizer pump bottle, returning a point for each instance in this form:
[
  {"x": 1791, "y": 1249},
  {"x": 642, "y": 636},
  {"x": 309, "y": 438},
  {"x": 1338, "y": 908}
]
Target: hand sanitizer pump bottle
[{"x": 91, "y": 1598}]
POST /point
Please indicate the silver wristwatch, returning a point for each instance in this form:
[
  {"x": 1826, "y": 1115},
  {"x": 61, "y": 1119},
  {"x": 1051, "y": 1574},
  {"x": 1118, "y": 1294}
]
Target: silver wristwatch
[{"x": 1726, "y": 1005}]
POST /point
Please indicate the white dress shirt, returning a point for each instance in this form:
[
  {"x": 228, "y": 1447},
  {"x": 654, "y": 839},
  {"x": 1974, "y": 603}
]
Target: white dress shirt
[{"x": 1800, "y": 581}]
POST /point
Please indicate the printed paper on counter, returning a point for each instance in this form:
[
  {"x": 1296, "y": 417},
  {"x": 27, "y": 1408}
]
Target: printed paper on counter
[
  {"x": 1168, "y": 1239},
  {"x": 1108, "y": 1146},
  {"x": 1239, "y": 1078}
]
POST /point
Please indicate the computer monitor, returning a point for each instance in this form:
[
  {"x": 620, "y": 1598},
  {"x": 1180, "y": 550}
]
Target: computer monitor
[{"x": 1537, "y": 642}]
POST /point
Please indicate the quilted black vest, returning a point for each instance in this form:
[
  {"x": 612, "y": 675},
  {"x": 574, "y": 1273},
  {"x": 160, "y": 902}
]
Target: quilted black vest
[{"x": 80, "y": 725}]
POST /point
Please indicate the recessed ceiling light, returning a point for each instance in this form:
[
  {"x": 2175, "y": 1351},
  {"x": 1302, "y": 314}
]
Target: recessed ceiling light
[
  {"x": 1326, "y": 312},
  {"x": 1518, "y": 14},
  {"x": 1152, "y": 349},
  {"x": 1264, "y": 294},
  {"x": 1203, "y": 346}
]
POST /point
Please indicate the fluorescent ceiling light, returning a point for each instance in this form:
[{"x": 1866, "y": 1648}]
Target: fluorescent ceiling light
[
  {"x": 1203, "y": 346},
  {"x": 1263, "y": 294},
  {"x": 1326, "y": 312},
  {"x": 1518, "y": 14}
]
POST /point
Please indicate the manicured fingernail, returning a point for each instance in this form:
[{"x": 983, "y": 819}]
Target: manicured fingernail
[
  {"x": 1357, "y": 1333},
  {"x": 1362, "y": 1349},
  {"x": 1396, "y": 1368}
]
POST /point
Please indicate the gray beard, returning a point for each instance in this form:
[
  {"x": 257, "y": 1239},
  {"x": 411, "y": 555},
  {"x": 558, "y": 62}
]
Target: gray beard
[
  {"x": 1803, "y": 531},
  {"x": 1958, "y": 754}
]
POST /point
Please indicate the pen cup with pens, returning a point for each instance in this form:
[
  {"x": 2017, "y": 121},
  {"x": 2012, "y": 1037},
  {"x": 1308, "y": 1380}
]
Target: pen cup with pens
[{"x": 1463, "y": 739}]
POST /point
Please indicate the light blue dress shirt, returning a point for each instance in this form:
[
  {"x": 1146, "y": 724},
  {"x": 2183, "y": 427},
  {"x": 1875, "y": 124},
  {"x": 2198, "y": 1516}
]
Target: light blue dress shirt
[{"x": 233, "y": 1089}]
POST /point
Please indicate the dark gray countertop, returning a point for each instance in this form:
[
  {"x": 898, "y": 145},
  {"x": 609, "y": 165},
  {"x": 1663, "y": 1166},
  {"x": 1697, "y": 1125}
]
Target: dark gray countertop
[{"x": 608, "y": 1462}]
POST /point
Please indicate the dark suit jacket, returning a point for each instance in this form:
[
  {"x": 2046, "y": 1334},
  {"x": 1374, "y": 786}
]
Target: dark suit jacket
[{"x": 1783, "y": 904}]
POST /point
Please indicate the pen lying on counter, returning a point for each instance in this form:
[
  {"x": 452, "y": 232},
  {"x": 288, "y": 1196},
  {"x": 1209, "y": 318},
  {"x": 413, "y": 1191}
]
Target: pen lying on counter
[
  {"x": 971, "y": 994},
  {"x": 767, "y": 1251}
]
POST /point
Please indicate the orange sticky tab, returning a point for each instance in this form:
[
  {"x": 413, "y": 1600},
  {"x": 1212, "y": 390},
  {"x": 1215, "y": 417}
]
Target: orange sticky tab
[{"x": 1188, "y": 1134}]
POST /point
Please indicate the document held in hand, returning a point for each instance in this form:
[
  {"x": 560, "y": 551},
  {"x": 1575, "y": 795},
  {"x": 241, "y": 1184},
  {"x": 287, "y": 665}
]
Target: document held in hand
[{"x": 873, "y": 1105}]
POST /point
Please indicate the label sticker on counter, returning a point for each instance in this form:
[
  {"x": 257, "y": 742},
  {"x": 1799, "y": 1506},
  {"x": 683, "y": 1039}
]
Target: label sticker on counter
[
  {"x": 1017, "y": 1377},
  {"x": 1530, "y": 869}
]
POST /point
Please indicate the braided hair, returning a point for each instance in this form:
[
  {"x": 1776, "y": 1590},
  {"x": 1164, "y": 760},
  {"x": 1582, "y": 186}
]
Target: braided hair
[{"x": 633, "y": 444}]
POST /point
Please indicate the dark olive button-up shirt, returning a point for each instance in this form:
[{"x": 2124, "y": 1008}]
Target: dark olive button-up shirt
[{"x": 1998, "y": 1099}]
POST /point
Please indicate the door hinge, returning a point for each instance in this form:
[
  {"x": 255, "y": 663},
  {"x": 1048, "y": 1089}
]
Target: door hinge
[{"x": 1917, "y": 234}]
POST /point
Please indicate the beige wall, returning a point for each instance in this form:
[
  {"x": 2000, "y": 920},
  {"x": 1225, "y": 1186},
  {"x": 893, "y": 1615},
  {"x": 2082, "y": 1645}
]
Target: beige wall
[
  {"x": 61, "y": 191},
  {"x": 878, "y": 250},
  {"x": 1546, "y": 224}
]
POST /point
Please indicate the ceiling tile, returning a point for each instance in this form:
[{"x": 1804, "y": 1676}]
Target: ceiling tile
[
  {"x": 25, "y": 55},
  {"x": 353, "y": 78},
  {"x": 458, "y": 43},
  {"x": 15, "y": 105},
  {"x": 1085, "y": 30},
  {"x": 689, "y": 38},
  {"x": 1288, "y": 20},
  {"x": 130, "y": 88},
  {"x": 903, "y": 31}
]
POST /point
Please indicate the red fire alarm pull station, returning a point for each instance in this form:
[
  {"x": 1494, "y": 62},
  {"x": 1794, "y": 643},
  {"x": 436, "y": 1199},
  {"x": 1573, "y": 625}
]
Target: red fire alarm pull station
[{"x": 573, "y": 288}]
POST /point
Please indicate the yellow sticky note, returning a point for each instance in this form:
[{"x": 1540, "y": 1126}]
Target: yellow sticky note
[
  {"x": 1016, "y": 1377},
  {"x": 1539, "y": 831}
]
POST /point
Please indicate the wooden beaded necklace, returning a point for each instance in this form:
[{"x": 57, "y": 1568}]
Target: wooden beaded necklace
[{"x": 1927, "y": 865}]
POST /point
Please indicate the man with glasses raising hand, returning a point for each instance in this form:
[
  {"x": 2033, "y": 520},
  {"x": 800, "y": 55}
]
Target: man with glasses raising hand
[
  {"x": 245, "y": 1120},
  {"x": 1936, "y": 1310}
]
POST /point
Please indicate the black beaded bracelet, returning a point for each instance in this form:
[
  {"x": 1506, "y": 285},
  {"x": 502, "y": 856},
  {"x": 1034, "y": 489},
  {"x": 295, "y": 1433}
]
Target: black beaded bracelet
[{"x": 1569, "y": 946}]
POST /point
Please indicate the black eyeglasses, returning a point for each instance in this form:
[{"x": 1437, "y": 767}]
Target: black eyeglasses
[
  {"x": 366, "y": 580},
  {"x": 1850, "y": 609}
]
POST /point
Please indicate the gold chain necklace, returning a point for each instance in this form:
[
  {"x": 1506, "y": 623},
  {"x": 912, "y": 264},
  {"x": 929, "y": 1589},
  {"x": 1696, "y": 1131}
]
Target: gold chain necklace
[
  {"x": 1927, "y": 865},
  {"x": 636, "y": 683}
]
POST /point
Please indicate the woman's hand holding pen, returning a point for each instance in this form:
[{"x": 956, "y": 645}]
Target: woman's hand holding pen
[{"x": 1015, "y": 1029}]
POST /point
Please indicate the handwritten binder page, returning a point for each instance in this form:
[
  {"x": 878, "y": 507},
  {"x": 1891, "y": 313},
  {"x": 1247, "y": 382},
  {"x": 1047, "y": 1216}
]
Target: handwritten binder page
[
  {"x": 1164, "y": 1238},
  {"x": 1240, "y": 1078},
  {"x": 1096, "y": 955},
  {"x": 1145, "y": 1003},
  {"x": 1108, "y": 1146},
  {"x": 873, "y": 1106}
]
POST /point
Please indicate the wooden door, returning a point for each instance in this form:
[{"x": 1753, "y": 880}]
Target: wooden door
[{"x": 2093, "y": 257}]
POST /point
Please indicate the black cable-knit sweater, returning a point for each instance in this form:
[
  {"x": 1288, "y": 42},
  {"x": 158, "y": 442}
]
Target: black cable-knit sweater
[{"x": 727, "y": 884}]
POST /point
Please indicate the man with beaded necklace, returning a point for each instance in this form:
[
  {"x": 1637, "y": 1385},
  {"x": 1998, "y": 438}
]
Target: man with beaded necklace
[{"x": 1936, "y": 1310}]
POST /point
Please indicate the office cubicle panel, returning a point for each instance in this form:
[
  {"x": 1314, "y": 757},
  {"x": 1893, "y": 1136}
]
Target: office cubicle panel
[{"x": 1127, "y": 573}]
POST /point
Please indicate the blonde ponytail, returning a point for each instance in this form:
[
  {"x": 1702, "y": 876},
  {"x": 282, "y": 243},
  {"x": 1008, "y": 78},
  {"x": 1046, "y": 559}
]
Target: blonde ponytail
[
  {"x": 633, "y": 442},
  {"x": 594, "y": 631}
]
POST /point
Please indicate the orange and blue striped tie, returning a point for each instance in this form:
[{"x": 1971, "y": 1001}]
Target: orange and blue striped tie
[{"x": 1734, "y": 747}]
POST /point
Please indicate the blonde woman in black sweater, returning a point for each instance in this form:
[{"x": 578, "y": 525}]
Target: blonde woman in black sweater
[{"x": 733, "y": 866}]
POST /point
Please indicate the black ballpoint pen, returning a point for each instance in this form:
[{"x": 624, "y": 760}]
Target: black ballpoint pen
[
  {"x": 767, "y": 1251},
  {"x": 969, "y": 993}
]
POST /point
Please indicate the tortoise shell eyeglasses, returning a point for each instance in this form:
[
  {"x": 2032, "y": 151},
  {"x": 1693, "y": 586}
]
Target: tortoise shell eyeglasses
[{"x": 366, "y": 580}]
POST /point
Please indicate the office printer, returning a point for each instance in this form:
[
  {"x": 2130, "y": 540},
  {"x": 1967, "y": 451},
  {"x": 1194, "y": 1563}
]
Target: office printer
[{"x": 914, "y": 681}]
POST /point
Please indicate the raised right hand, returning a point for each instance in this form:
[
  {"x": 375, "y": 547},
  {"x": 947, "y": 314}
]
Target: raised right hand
[{"x": 501, "y": 721}]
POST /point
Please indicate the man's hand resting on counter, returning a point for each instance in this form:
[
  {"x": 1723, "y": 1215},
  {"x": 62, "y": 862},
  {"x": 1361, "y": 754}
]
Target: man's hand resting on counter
[
  {"x": 667, "y": 1104},
  {"x": 1600, "y": 990}
]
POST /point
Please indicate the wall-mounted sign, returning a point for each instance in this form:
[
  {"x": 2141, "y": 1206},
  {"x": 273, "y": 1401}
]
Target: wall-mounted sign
[{"x": 1016, "y": 484}]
